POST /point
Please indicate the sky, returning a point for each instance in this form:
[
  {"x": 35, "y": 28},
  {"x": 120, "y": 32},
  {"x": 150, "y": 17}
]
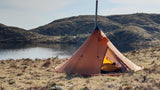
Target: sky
[{"x": 29, "y": 14}]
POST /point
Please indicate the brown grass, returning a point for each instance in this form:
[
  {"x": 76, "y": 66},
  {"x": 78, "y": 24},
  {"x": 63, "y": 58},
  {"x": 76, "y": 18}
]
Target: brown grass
[{"x": 27, "y": 74}]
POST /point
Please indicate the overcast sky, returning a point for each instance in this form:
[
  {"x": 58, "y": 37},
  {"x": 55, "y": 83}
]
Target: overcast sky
[{"x": 30, "y": 14}]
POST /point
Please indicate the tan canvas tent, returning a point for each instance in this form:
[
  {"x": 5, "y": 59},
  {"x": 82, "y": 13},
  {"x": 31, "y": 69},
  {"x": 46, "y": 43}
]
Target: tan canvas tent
[{"x": 97, "y": 55}]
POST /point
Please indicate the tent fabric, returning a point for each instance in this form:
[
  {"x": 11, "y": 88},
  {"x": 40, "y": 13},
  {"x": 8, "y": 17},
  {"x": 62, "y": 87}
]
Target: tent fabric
[
  {"x": 107, "y": 60},
  {"x": 88, "y": 59}
]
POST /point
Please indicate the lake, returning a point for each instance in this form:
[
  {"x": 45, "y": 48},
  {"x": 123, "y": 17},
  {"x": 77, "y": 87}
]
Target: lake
[{"x": 36, "y": 51}]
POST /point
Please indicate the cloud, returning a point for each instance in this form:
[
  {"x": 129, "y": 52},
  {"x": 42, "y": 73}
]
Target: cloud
[
  {"x": 35, "y": 5},
  {"x": 132, "y": 6},
  {"x": 30, "y": 13},
  {"x": 129, "y": 10},
  {"x": 20, "y": 19},
  {"x": 136, "y": 2},
  {"x": 33, "y": 13}
]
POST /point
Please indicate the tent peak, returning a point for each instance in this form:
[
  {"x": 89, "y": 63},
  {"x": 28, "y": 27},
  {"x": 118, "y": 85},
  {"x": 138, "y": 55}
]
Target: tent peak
[{"x": 97, "y": 28}]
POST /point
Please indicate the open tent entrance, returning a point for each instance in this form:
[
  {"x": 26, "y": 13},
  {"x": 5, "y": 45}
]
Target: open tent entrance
[{"x": 111, "y": 63}]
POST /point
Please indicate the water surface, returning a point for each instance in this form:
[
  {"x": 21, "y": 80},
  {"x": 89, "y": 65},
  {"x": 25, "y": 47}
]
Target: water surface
[{"x": 36, "y": 51}]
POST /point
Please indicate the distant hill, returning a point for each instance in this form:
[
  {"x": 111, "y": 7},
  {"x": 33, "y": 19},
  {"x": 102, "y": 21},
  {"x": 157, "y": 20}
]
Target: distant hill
[
  {"x": 12, "y": 34},
  {"x": 127, "y": 32},
  {"x": 76, "y": 25},
  {"x": 9, "y": 34}
]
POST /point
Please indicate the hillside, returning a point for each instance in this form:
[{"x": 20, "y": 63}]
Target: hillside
[
  {"x": 84, "y": 24},
  {"x": 127, "y": 32},
  {"x": 10, "y": 34},
  {"x": 27, "y": 74},
  {"x": 76, "y": 25}
]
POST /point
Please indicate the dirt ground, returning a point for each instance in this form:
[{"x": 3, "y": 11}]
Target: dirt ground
[{"x": 27, "y": 74}]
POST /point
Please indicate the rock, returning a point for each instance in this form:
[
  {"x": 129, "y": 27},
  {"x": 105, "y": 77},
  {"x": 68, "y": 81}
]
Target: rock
[
  {"x": 110, "y": 86},
  {"x": 55, "y": 88},
  {"x": 2, "y": 77},
  {"x": 19, "y": 74},
  {"x": 85, "y": 88},
  {"x": 11, "y": 81}
]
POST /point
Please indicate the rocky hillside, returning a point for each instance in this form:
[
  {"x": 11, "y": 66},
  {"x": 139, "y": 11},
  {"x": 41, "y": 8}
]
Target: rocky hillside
[
  {"x": 9, "y": 34},
  {"x": 85, "y": 24},
  {"x": 14, "y": 35},
  {"x": 127, "y": 32},
  {"x": 76, "y": 25}
]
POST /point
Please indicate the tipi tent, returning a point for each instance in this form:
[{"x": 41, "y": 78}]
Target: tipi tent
[{"x": 97, "y": 55}]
